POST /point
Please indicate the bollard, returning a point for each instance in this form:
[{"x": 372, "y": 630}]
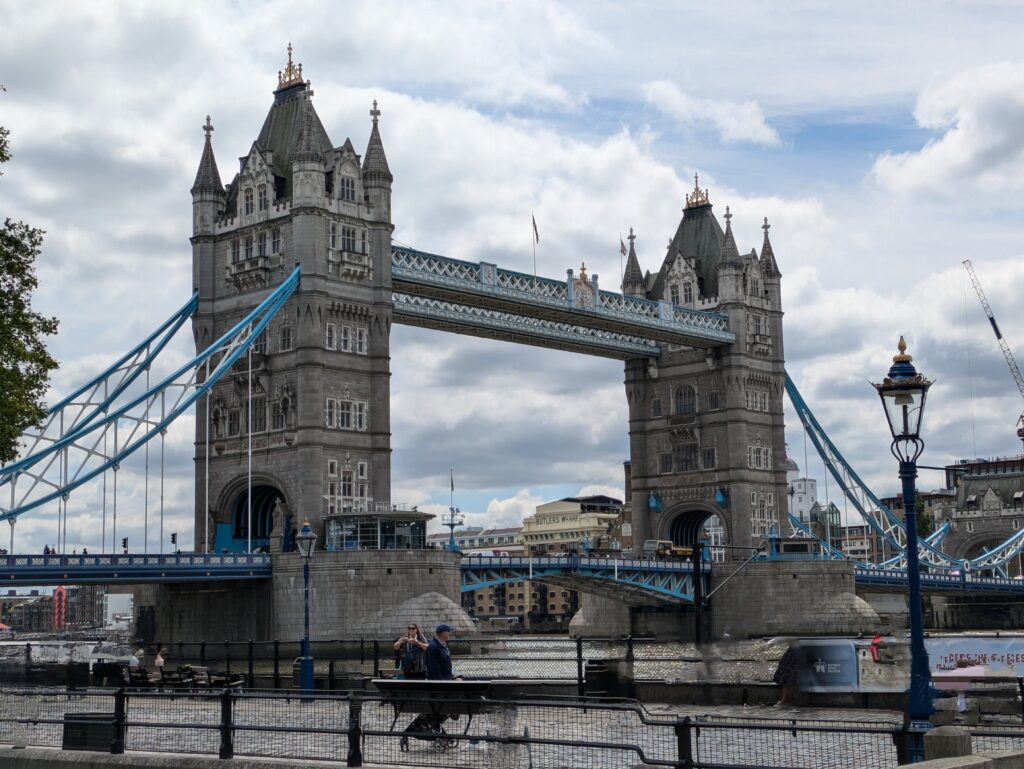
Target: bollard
[
  {"x": 117, "y": 743},
  {"x": 684, "y": 744},
  {"x": 227, "y": 748},
  {"x": 277, "y": 662},
  {"x": 251, "y": 676},
  {"x": 355, "y": 734},
  {"x": 579, "y": 667}
]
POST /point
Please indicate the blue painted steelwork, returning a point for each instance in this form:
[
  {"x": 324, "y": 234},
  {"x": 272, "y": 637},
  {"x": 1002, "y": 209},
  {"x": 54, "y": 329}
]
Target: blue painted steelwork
[
  {"x": 880, "y": 517},
  {"x": 941, "y": 582},
  {"x": 666, "y": 581},
  {"x": 148, "y": 415},
  {"x": 130, "y": 569},
  {"x": 831, "y": 553},
  {"x": 484, "y": 285},
  {"x": 101, "y": 393},
  {"x": 510, "y": 326}
]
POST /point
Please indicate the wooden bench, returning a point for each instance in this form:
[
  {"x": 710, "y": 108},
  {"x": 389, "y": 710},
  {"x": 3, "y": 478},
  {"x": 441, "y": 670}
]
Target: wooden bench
[
  {"x": 201, "y": 677},
  {"x": 138, "y": 678}
]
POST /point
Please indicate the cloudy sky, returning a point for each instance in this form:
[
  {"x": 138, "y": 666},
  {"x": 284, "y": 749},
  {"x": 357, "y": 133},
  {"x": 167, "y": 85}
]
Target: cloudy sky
[{"x": 884, "y": 142}]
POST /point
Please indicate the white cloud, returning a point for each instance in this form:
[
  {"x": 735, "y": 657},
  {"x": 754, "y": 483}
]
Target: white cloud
[
  {"x": 511, "y": 511},
  {"x": 980, "y": 115},
  {"x": 734, "y": 121}
]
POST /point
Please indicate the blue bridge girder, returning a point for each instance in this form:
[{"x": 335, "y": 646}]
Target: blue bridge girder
[
  {"x": 486, "y": 300},
  {"x": 131, "y": 569},
  {"x": 895, "y": 580},
  {"x": 631, "y": 581}
]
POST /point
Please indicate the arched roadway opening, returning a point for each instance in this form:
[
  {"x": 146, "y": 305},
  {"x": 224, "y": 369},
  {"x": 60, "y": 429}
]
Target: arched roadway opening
[
  {"x": 685, "y": 525},
  {"x": 980, "y": 543},
  {"x": 232, "y": 530}
]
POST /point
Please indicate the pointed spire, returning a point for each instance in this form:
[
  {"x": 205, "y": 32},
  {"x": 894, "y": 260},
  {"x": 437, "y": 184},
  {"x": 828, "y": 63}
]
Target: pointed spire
[
  {"x": 768, "y": 264},
  {"x": 633, "y": 277},
  {"x": 308, "y": 147},
  {"x": 730, "y": 254},
  {"x": 207, "y": 177},
  {"x": 376, "y": 162}
]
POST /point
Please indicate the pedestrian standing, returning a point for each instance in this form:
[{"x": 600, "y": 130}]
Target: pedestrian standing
[
  {"x": 411, "y": 649},
  {"x": 159, "y": 661}
]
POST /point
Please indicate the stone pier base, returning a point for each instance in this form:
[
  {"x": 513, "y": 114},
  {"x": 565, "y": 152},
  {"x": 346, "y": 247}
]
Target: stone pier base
[
  {"x": 789, "y": 598},
  {"x": 353, "y": 594}
]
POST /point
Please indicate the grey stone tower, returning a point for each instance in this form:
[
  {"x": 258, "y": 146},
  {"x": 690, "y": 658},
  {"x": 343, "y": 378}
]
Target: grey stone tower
[
  {"x": 706, "y": 428},
  {"x": 320, "y": 416}
]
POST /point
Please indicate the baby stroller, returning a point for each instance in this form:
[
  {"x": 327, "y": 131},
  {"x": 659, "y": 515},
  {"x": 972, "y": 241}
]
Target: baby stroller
[{"x": 429, "y": 727}]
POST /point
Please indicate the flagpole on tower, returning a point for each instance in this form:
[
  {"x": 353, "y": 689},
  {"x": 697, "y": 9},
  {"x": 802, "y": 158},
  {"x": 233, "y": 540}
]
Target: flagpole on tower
[{"x": 536, "y": 240}]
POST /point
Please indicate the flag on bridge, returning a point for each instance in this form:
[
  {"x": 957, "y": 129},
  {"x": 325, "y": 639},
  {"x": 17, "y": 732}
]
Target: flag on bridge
[
  {"x": 453, "y": 479},
  {"x": 622, "y": 246},
  {"x": 536, "y": 235}
]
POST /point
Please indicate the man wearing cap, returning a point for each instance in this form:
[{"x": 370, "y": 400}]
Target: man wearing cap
[{"x": 438, "y": 656}]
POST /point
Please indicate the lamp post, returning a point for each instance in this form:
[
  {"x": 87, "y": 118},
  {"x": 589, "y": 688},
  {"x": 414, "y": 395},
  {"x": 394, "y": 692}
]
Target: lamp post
[
  {"x": 903, "y": 394},
  {"x": 304, "y": 541}
]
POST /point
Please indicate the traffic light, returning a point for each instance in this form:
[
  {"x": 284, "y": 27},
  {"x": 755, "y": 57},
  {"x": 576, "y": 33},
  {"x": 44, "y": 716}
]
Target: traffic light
[
  {"x": 124, "y": 543},
  {"x": 174, "y": 538}
]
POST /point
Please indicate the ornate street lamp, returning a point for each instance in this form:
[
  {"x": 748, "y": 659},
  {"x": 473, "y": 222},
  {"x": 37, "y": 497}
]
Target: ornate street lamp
[
  {"x": 903, "y": 394},
  {"x": 304, "y": 541}
]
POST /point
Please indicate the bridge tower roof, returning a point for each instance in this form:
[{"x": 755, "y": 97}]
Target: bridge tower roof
[{"x": 700, "y": 238}]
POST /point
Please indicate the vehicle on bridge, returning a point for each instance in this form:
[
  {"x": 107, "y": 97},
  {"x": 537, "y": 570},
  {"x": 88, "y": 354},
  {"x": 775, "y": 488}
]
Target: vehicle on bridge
[{"x": 664, "y": 548}]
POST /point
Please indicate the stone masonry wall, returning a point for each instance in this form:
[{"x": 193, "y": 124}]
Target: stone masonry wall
[
  {"x": 364, "y": 593},
  {"x": 789, "y": 598}
]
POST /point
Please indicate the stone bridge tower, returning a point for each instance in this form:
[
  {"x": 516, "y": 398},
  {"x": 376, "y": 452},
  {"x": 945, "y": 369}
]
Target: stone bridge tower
[
  {"x": 320, "y": 419},
  {"x": 706, "y": 427}
]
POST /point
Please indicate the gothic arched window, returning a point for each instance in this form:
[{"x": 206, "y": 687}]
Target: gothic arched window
[
  {"x": 674, "y": 294},
  {"x": 685, "y": 398},
  {"x": 261, "y": 195},
  {"x": 687, "y": 292},
  {"x": 248, "y": 200}
]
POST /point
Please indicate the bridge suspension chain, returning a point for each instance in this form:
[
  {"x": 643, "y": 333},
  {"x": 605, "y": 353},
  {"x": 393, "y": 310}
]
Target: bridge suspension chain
[
  {"x": 98, "y": 395},
  {"x": 64, "y": 461},
  {"x": 878, "y": 516}
]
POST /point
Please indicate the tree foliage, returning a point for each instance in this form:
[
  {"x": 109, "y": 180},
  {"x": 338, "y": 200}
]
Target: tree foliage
[{"x": 25, "y": 364}]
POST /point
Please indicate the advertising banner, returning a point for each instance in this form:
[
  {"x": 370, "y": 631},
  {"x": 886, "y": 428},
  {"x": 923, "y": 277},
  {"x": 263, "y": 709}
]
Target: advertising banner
[{"x": 1002, "y": 657}]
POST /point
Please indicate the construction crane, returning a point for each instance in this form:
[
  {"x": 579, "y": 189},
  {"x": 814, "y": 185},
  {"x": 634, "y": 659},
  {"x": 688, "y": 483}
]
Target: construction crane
[{"x": 1002, "y": 342}]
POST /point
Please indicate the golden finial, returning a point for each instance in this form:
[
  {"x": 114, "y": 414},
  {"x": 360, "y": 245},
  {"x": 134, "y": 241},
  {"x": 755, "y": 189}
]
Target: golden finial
[
  {"x": 291, "y": 75},
  {"x": 698, "y": 197},
  {"x": 902, "y": 357},
  {"x": 583, "y": 270}
]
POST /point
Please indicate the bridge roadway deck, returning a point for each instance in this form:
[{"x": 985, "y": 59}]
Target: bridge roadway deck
[
  {"x": 631, "y": 580},
  {"x": 131, "y": 569}
]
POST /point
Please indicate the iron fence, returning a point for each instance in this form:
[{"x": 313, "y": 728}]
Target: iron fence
[
  {"x": 376, "y": 728},
  {"x": 268, "y": 664}
]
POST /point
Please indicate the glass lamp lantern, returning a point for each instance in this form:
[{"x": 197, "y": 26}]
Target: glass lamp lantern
[
  {"x": 903, "y": 393},
  {"x": 305, "y": 540}
]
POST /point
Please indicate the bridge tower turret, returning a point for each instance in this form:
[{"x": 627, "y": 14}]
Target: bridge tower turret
[
  {"x": 707, "y": 436},
  {"x": 319, "y": 390}
]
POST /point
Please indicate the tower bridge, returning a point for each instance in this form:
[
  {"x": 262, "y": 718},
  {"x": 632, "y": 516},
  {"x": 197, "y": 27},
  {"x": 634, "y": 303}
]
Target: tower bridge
[{"x": 298, "y": 283}]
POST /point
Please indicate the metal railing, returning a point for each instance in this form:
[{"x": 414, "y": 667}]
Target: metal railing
[
  {"x": 337, "y": 662},
  {"x": 374, "y": 728}
]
